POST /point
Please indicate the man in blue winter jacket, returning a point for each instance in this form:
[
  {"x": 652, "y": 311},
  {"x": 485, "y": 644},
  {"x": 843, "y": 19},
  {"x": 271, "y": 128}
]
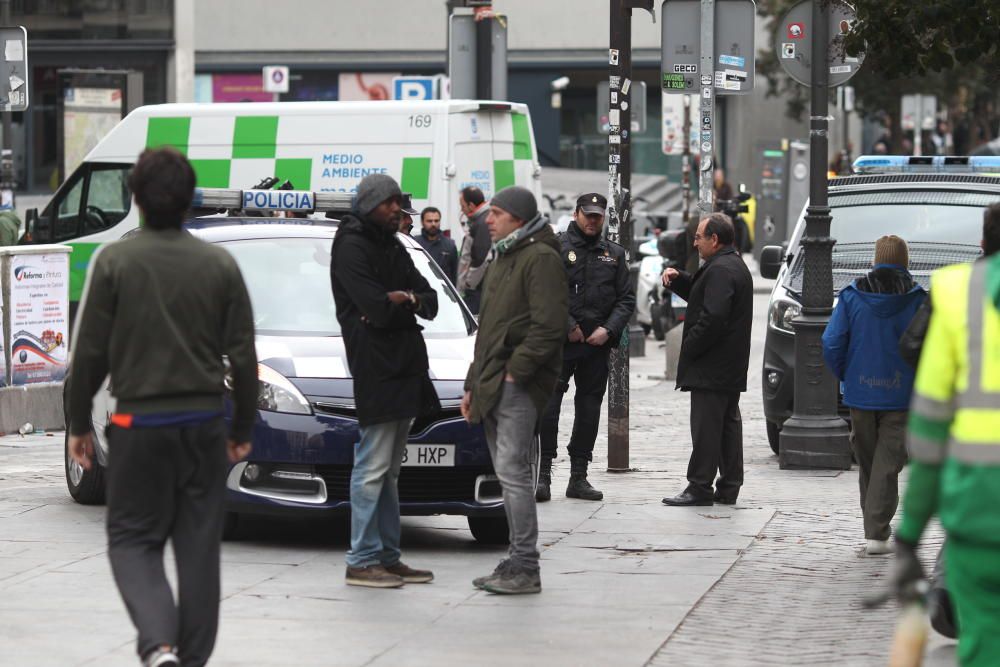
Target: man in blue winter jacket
[{"x": 861, "y": 347}]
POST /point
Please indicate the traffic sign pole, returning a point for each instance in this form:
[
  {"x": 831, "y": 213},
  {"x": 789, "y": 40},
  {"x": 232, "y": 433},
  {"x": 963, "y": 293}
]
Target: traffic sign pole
[
  {"x": 706, "y": 192},
  {"x": 815, "y": 436}
]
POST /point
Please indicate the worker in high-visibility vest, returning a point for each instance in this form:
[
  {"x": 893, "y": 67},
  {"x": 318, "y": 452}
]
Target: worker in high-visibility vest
[{"x": 954, "y": 446}]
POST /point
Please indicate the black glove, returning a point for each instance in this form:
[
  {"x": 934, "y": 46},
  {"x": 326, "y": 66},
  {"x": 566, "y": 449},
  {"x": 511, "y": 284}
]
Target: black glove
[{"x": 907, "y": 578}]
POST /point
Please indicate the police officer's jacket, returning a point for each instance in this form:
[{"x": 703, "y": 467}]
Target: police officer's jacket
[{"x": 600, "y": 292}]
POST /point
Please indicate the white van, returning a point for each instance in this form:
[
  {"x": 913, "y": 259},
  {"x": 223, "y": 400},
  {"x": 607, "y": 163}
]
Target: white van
[{"x": 433, "y": 149}]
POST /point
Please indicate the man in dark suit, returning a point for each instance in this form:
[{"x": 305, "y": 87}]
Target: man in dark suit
[{"x": 715, "y": 356}]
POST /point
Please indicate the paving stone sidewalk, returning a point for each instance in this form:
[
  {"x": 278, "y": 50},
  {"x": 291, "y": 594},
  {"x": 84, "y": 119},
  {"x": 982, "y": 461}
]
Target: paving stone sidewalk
[{"x": 775, "y": 580}]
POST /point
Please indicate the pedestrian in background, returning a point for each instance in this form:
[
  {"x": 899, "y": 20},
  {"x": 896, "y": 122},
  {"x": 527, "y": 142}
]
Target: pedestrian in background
[
  {"x": 953, "y": 441},
  {"x": 861, "y": 348},
  {"x": 601, "y": 302},
  {"x": 379, "y": 293},
  {"x": 476, "y": 246},
  {"x": 714, "y": 358},
  {"x": 441, "y": 248},
  {"x": 168, "y": 443},
  {"x": 518, "y": 356}
]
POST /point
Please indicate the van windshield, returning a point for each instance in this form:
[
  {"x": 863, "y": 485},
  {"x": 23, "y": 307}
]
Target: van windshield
[{"x": 288, "y": 280}]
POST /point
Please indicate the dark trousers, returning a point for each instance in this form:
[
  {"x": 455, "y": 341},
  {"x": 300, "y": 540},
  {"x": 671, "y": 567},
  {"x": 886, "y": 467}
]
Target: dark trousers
[
  {"x": 472, "y": 298},
  {"x": 168, "y": 483},
  {"x": 717, "y": 437},
  {"x": 879, "y": 443},
  {"x": 590, "y": 372}
]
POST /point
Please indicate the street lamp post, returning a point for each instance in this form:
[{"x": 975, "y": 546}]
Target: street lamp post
[{"x": 815, "y": 436}]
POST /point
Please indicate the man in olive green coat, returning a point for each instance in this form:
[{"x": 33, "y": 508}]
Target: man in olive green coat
[{"x": 522, "y": 325}]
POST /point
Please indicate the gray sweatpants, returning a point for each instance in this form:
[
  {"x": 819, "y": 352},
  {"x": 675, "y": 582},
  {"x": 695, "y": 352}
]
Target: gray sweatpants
[
  {"x": 168, "y": 483},
  {"x": 510, "y": 434},
  {"x": 879, "y": 443}
]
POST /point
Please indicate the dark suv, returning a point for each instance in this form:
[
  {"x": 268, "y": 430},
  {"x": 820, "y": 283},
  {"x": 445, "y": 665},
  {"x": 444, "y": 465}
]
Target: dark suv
[{"x": 934, "y": 203}]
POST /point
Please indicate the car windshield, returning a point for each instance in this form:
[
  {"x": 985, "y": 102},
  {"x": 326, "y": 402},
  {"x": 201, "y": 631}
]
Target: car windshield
[
  {"x": 912, "y": 222},
  {"x": 289, "y": 284},
  {"x": 936, "y": 232}
]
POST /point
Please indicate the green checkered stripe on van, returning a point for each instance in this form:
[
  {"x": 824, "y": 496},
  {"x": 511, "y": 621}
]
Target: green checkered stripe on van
[
  {"x": 505, "y": 169},
  {"x": 230, "y": 152},
  {"x": 237, "y": 152}
]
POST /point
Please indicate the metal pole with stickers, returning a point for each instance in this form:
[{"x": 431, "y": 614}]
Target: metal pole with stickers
[
  {"x": 707, "y": 50},
  {"x": 621, "y": 92}
]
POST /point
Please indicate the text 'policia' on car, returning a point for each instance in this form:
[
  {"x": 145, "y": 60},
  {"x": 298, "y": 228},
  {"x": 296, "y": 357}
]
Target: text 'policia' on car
[
  {"x": 306, "y": 426},
  {"x": 934, "y": 203}
]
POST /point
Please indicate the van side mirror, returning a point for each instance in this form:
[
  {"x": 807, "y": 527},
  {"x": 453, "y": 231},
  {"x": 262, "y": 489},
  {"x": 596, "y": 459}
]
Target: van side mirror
[
  {"x": 771, "y": 258},
  {"x": 30, "y": 222}
]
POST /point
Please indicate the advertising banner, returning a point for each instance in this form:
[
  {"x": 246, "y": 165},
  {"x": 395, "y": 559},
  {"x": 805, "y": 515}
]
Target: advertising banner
[
  {"x": 39, "y": 317},
  {"x": 240, "y": 88},
  {"x": 364, "y": 87}
]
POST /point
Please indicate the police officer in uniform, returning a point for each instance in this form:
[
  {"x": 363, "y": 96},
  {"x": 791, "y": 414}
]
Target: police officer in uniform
[{"x": 601, "y": 301}]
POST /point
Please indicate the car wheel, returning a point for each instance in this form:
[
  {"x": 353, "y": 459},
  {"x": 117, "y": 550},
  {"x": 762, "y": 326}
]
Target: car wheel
[
  {"x": 490, "y": 529},
  {"x": 773, "y": 432},
  {"x": 85, "y": 486},
  {"x": 230, "y": 526}
]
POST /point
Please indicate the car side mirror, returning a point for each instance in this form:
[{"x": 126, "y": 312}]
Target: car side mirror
[
  {"x": 771, "y": 258},
  {"x": 671, "y": 244}
]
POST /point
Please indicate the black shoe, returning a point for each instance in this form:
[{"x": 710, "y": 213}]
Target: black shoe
[
  {"x": 580, "y": 488},
  {"x": 725, "y": 498},
  {"x": 686, "y": 499},
  {"x": 542, "y": 492}
]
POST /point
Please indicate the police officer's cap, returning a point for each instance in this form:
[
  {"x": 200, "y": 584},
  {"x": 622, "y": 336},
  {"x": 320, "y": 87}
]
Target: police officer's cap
[{"x": 592, "y": 203}]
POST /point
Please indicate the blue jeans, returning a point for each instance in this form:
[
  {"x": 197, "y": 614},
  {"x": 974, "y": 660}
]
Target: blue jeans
[{"x": 374, "y": 495}]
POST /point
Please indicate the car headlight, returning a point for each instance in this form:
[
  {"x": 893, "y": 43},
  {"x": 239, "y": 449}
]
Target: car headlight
[
  {"x": 278, "y": 394},
  {"x": 783, "y": 310}
]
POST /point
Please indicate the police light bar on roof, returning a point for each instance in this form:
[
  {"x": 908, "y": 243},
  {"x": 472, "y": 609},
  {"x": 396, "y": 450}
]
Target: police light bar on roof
[
  {"x": 939, "y": 164},
  {"x": 272, "y": 200}
]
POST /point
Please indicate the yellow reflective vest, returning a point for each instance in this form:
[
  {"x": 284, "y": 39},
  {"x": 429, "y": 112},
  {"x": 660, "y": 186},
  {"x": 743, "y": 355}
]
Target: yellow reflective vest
[{"x": 955, "y": 412}]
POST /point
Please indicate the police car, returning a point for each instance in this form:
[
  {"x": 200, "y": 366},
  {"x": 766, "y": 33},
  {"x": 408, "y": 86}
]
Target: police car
[
  {"x": 306, "y": 427},
  {"x": 935, "y": 203}
]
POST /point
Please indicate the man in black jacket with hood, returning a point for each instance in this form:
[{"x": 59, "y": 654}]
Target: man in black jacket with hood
[
  {"x": 715, "y": 357},
  {"x": 379, "y": 293}
]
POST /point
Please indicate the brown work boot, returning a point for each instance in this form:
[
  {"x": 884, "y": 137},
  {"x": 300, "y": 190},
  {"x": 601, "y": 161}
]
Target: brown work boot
[
  {"x": 409, "y": 575},
  {"x": 373, "y": 576}
]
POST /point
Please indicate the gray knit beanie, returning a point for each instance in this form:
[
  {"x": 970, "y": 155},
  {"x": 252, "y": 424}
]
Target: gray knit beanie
[
  {"x": 517, "y": 201},
  {"x": 373, "y": 190}
]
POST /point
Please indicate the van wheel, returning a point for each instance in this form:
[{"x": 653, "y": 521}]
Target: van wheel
[
  {"x": 490, "y": 529},
  {"x": 230, "y": 526},
  {"x": 773, "y": 433},
  {"x": 85, "y": 486}
]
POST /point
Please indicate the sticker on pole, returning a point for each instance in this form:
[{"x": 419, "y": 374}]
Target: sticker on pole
[
  {"x": 680, "y": 53},
  {"x": 796, "y": 56}
]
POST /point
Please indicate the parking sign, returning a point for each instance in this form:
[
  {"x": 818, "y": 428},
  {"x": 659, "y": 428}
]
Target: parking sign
[{"x": 414, "y": 88}]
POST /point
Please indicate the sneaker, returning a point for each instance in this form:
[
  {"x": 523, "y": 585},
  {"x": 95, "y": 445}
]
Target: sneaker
[
  {"x": 373, "y": 576},
  {"x": 515, "y": 581},
  {"x": 500, "y": 569},
  {"x": 409, "y": 575},
  {"x": 878, "y": 548},
  {"x": 161, "y": 657}
]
